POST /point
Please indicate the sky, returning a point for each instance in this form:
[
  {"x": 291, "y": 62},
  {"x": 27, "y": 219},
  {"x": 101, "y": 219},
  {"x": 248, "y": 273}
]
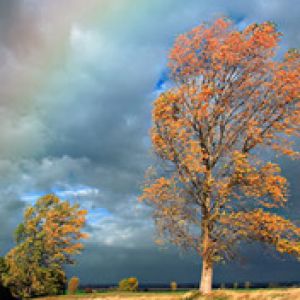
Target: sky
[{"x": 77, "y": 83}]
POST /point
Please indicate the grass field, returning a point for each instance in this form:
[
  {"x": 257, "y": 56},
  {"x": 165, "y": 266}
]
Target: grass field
[{"x": 263, "y": 294}]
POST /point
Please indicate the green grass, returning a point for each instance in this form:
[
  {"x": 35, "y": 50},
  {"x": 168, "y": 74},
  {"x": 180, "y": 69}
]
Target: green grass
[{"x": 181, "y": 291}]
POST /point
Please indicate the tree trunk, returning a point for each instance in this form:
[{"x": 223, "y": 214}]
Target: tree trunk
[
  {"x": 206, "y": 277},
  {"x": 207, "y": 262},
  {"x": 206, "y": 227}
]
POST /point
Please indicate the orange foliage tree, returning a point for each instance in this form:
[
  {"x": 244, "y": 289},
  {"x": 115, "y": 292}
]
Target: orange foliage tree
[
  {"x": 229, "y": 99},
  {"x": 46, "y": 241}
]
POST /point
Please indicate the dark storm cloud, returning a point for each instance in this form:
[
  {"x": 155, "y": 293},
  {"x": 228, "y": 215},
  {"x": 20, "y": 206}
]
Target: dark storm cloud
[
  {"x": 115, "y": 263},
  {"x": 108, "y": 264},
  {"x": 75, "y": 112}
]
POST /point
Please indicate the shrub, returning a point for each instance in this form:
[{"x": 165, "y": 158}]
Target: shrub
[
  {"x": 73, "y": 285},
  {"x": 273, "y": 285},
  {"x": 88, "y": 290},
  {"x": 129, "y": 284},
  {"x": 173, "y": 286}
]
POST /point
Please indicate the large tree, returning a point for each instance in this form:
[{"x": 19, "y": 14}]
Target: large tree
[
  {"x": 230, "y": 98},
  {"x": 46, "y": 241}
]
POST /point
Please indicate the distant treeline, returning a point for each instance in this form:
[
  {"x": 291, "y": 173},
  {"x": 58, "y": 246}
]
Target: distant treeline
[{"x": 166, "y": 286}]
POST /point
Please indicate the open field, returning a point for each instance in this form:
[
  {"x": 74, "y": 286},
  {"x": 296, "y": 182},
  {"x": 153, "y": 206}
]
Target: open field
[{"x": 264, "y": 294}]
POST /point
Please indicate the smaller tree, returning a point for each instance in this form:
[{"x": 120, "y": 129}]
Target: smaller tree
[
  {"x": 46, "y": 241},
  {"x": 73, "y": 285}
]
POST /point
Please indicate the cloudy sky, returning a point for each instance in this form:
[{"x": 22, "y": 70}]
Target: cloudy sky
[{"x": 77, "y": 81}]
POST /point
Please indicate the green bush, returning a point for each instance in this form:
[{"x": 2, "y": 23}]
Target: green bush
[
  {"x": 73, "y": 285},
  {"x": 173, "y": 286},
  {"x": 130, "y": 284}
]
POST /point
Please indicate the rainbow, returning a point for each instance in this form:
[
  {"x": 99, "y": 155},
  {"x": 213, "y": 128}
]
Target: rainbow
[{"x": 47, "y": 49}]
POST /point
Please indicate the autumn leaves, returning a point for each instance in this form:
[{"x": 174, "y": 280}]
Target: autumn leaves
[
  {"x": 46, "y": 241},
  {"x": 229, "y": 98}
]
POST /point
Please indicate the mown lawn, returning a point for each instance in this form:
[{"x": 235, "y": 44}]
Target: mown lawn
[{"x": 263, "y": 294}]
